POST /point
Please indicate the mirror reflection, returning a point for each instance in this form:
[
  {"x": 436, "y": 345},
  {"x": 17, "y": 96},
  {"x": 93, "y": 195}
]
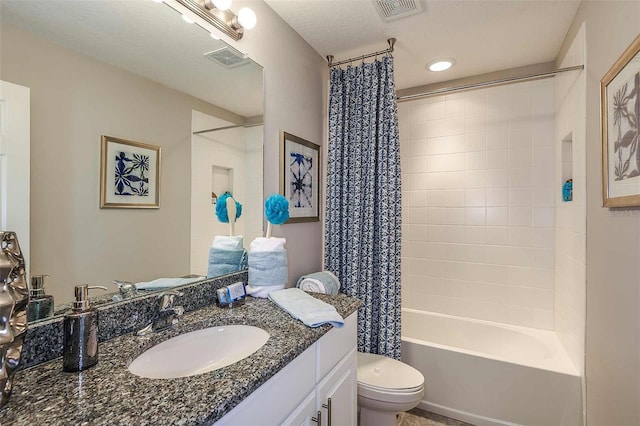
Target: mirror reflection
[{"x": 132, "y": 70}]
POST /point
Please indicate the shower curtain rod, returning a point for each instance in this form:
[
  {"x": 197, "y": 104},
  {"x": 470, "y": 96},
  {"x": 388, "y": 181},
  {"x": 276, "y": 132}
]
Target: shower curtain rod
[
  {"x": 391, "y": 41},
  {"x": 215, "y": 129},
  {"x": 488, "y": 83}
]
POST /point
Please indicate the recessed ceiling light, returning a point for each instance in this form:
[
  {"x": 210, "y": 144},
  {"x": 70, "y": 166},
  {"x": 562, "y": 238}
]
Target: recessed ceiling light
[{"x": 440, "y": 65}]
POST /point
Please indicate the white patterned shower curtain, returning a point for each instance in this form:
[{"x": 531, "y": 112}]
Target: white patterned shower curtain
[{"x": 363, "y": 216}]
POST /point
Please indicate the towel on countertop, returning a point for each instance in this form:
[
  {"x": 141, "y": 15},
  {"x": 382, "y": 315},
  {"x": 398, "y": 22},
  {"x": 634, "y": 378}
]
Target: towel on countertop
[
  {"x": 320, "y": 282},
  {"x": 163, "y": 283},
  {"x": 306, "y": 308},
  {"x": 267, "y": 266},
  {"x": 226, "y": 255}
]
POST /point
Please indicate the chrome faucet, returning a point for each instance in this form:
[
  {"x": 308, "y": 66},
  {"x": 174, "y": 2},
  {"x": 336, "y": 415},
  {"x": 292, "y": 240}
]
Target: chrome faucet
[{"x": 167, "y": 313}]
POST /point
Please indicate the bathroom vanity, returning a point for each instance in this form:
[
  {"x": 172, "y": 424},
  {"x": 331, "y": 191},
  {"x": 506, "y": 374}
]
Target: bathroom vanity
[{"x": 287, "y": 381}]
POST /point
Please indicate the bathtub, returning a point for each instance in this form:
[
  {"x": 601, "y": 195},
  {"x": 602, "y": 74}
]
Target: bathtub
[{"x": 487, "y": 373}]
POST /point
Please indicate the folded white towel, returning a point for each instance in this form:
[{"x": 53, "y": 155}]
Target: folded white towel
[
  {"x": 267, "y": 244},
  {"x": 263, "y": 290},
  {"x": 228, "y": 242},
  {"x": 311, "y": 311}
]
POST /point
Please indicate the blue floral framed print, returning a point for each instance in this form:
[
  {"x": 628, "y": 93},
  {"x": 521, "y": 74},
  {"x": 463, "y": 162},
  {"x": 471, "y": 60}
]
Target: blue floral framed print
[
  {"x": 300, "y": 177},
  {"x": 129, "y": 174}
]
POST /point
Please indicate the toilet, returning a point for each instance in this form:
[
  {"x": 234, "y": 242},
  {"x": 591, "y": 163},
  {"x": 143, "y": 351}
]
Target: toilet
[{"x": 385, "y": 388}]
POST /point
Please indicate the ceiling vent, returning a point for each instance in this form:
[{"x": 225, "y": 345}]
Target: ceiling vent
[
  {"x": 228, "y": 57},
  {"x": 390, "y": 10}
]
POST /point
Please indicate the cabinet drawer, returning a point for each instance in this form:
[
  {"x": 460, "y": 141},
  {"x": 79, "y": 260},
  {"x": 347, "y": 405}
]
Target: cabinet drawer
[{"x": 334, "y": 345}]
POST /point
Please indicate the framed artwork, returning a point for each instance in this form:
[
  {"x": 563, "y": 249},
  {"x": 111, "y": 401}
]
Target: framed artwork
[
  {"x": 129, "y": 174},
  {"x": 620, "y": 110},
  {"x": 300, "y": 177}
]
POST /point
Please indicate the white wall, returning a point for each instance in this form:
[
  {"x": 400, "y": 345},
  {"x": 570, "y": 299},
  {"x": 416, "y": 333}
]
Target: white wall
[
  {"x": 570, "y": 273},
  {"x": 613, "y": 236},
  {"x": 478, "y": 195}
]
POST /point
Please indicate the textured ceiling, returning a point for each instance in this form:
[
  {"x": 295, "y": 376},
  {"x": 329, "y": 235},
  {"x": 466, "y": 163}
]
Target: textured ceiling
[
  {"x": 481, "y": 35},
  {"x": 145, "y": 38}
]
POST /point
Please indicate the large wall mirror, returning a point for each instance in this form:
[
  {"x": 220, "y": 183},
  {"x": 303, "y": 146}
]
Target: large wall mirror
[{"x": 132, "y": 70}]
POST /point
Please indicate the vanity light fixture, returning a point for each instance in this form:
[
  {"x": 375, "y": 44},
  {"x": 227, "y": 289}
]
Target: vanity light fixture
[
  {"x": 218, "y": 14},
  {"x": 440, "y": 65}
]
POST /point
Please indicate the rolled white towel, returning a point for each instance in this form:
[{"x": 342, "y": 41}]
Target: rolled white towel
[
  {"x": 267, "y": 244},
  {"x": 320, "y": 282},
  {"x": 228, "y": 242}
]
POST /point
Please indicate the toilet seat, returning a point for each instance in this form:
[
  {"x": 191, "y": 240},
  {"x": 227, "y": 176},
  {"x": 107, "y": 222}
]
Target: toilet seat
[{"x": 386, "y": 379}]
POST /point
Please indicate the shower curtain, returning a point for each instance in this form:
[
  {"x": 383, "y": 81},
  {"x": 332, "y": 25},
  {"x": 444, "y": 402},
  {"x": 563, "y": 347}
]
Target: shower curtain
[{"x": 363, "y": 215}]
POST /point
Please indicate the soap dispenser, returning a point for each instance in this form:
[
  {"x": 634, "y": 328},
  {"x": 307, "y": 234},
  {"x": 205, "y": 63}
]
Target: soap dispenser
[
  {"x": 40, "y": 304},
  {"x": 81, "y": 332}
]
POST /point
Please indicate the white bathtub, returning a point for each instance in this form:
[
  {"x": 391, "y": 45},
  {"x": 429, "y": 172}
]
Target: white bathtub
[{"x": 487, "y": 373}]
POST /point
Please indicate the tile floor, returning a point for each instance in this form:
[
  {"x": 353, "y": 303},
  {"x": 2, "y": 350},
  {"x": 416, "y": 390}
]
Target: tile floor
[{"x": 418, "y": 417}]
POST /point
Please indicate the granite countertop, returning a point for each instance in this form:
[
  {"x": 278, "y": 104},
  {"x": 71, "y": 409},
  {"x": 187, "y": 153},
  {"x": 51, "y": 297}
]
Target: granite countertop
[{"x": 108, "y": 394}]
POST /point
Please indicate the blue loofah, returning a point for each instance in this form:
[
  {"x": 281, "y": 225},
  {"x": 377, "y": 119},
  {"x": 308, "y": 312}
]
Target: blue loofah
[
  {"x": 221, "y": 208},
  {"x": 276, "y": 208},
  {"x": 567, "y": 190}
]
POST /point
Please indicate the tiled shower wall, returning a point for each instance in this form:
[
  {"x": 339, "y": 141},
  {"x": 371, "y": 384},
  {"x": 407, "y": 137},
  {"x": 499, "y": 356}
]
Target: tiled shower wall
[
  {"x": 571, "y": 229},
  {"x": 478, "y": 203}
]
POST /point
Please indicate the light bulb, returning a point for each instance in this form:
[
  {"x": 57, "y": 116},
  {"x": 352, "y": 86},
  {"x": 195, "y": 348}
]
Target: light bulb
[
  {"x": 221, "y": 4},
  {"x": 186, "y": 19},
  {"x": 213, "y": 36},
  {"x": 247, "y": 18},
  {"x": 440, "y": 65}
]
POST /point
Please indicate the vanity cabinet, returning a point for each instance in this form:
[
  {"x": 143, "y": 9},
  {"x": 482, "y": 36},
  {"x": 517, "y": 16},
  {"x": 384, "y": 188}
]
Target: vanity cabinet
[{"x": 294, "y": 396}]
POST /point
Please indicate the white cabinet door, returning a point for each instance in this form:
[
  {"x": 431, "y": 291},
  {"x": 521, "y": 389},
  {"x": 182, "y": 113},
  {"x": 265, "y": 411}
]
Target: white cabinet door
[
  {"x": 306, "y": 413},
  {"x": 337, "y": 394}
]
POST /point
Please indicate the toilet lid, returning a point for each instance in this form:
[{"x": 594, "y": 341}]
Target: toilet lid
[{"x": 380, "y": 372}]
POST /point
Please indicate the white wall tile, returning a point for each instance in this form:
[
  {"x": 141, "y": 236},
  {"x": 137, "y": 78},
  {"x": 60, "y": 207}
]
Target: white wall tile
[
  {"x": 497, "y": 197},
  {"x": 498, "y": 178},
  {"x": 475, "y": 216},
  {"x": 497, "y": 235},
  {"x": 479, "y": 196},
  {"x": 519, "y": 178},
  {"x": 497, "y": 216},
  {"x": 474, "y": 198},
  {"x": 520, "y": 236},
  {"x": 520, "y": 197},
  {"x": 520, "y": 157},
  {"x": 520, "y": 216},
  {"x": 475, "y": 142},
  {"x": 475, "y": 179},
  {"x": 498, "y": 159},
  {"x": 474, "y": 123},
  {"x": 498, "y": 137},
  {"x": 520, "y": 137}
]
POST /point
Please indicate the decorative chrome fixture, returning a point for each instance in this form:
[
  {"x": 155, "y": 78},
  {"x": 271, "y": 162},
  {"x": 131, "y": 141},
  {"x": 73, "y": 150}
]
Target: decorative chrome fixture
[{"x": 218, "y": 14}]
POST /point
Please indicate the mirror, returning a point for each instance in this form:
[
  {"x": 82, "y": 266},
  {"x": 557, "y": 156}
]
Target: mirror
[{"x": 132, "y": 70}]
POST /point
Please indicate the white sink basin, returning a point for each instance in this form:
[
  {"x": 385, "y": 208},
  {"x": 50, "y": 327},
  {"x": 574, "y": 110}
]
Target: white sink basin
[{"x": 199, "y": 352}]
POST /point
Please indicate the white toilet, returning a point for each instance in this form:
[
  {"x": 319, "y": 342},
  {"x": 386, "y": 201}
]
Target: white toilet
[{"x": 385, "y": 388}]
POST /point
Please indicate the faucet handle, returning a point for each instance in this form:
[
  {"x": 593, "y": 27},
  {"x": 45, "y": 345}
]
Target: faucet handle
[{"x": 167, "y": 298}]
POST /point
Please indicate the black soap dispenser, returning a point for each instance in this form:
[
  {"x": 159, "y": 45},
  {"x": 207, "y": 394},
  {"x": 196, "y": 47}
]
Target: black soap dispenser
[
  {"x": 40, "y": 304},
  {"x": 81, "y": 332}
]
